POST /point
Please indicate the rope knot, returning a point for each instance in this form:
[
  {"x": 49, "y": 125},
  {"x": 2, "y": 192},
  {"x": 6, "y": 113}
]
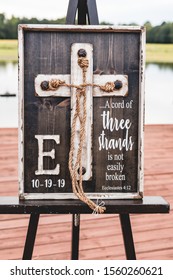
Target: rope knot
[
  {"x": 80, "y": 91},
  {"x": 99, "y": 207},
  {"x": 55, "y": 83},
  {"x": 108, "y": 87},
  {"x": 99, "y": 210},
  {"x": 83, "y": 62}
]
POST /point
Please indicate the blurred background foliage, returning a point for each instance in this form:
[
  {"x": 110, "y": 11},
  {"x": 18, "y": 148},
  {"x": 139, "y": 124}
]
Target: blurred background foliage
[{"x": 155, "y": 34}]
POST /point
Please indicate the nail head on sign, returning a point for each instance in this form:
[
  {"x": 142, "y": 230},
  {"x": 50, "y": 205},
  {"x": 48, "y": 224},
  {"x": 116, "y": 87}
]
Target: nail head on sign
[
  {"x": 83, "y": 170},
  {"x": 44, "y": 85},
  {"x": 82, "y": 53},
  {"x": 118, "y": 84}
]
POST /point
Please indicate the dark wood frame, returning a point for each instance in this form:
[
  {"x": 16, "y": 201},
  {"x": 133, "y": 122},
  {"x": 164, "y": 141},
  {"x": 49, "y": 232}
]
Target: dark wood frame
[
  {"x": 11, "y": 205},
  {"x": 136, "y": 162}
]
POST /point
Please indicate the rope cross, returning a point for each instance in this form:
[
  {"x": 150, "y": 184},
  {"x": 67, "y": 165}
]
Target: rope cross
[
  {"x": 60, "y": 85},
  {"x": 74, "y": 167}
]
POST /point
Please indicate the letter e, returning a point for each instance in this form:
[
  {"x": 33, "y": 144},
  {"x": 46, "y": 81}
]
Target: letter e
[{"x": 42, "y": 154}]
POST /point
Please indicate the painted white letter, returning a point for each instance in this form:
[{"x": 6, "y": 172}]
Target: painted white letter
[{"x": 42, "y": 154}]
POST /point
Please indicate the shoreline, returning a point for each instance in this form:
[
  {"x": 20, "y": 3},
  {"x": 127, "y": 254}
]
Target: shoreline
[{"x": 155, "y": 53}]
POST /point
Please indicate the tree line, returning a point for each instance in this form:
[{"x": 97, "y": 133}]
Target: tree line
[
  {"x": 159, "y": 34},
  {"x": 9, "y": 27},
  {"x": 155, "y": 34}
]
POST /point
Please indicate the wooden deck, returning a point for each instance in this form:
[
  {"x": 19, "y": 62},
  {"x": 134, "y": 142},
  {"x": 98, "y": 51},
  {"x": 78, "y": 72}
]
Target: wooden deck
[{"x": 100, "y": 236}]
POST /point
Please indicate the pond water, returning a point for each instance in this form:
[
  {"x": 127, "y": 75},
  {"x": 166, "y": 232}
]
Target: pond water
[
  {"x": 158, "y": 94},
  {"x": 8, "y": 105}
]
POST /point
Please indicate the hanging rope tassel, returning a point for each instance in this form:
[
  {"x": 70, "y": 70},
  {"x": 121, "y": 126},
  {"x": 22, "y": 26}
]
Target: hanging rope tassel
[
  {"x": 76, "y": 167},
  {"x": 77, "y": 185}
]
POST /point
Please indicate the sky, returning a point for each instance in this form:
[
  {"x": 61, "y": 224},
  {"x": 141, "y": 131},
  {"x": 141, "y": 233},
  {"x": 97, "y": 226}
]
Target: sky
[{"x": 113, "y": 11}]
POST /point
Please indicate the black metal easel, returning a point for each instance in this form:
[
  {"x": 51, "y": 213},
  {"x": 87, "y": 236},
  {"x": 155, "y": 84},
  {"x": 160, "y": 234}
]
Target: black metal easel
[{"x": 87, "y": 13}]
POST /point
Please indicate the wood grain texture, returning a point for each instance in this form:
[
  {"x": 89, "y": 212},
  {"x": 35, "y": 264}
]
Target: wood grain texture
[
  {"x": 77, "y": 79},
  {"x": 100, "y": 236},
  {"x": 152, "y": 233},
  {"x": 12, "y": 205},
  {"x": 64, "y": 91},
  {"x": 115, "y": 52}
]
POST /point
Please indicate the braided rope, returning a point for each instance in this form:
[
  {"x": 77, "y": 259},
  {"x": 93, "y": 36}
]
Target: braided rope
[
  {"x": 81, "y": 101},
  {"x": 108, "y": 87},
  {"x": 54, "y": 84},
  {"x": 77, "y": 186}
]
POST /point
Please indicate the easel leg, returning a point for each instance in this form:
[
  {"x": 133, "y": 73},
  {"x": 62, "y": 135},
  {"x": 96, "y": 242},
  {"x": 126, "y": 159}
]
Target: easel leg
[
  {"x": 30, "y": 238},
  {"x": 75, "y": 237},
  {"x": 127, "y": 236}
]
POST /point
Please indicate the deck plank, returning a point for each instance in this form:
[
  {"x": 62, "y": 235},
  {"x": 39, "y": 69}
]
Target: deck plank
[{"x": 100, "y": 236}]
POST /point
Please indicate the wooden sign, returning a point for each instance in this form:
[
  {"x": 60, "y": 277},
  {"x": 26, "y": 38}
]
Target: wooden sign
[{"x": 73, "y": 78}]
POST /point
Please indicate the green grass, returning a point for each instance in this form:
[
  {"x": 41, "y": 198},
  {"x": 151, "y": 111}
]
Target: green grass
[
  {"x": 8, "y": 50},
  {"x": 159, "y": 53},
  {"x": 155, "y": 53}
]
